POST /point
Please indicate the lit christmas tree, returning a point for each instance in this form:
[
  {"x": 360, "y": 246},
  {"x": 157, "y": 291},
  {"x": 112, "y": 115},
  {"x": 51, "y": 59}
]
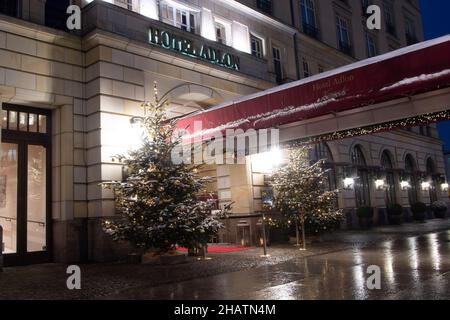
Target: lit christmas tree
[
  {"x": 158, "y": 200},
  {"x": 301, "y": 194}
]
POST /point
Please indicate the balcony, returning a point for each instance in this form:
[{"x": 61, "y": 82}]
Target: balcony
[
  {"x": 311, "y": 30},
  {"x": 346, "y": 48}
]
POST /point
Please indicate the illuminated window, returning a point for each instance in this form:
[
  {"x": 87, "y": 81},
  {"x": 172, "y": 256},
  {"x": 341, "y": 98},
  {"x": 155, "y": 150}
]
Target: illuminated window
[{"x": 178, "y": 17}]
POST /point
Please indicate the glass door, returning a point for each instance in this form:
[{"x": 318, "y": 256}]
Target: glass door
[
  {"x": 8, "y": 196},
  {"x": 25, "y": 185},
  {"x": 36, "y": 199}
]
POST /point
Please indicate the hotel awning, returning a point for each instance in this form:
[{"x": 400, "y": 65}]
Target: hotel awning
[{"x": 416, "y": 69}]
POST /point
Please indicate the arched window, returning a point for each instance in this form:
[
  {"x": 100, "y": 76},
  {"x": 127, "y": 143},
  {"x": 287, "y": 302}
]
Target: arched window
[
  {"x": 386, "y": 164},
  {"x": 321, "y": 151},
  {"x": 411, "y": 177},
  {"x": 362, "y": 188},
  {"x": 432, "y": 178}
]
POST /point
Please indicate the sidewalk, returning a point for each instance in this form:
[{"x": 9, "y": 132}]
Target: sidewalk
[{"x": 99, "y": 280}]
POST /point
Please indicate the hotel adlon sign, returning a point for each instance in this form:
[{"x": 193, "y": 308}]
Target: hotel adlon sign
[{"x": 194, "y": 49}]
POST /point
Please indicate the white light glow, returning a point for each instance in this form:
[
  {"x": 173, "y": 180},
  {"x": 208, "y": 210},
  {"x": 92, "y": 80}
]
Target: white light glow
[
  {"x": 241, "y": 37},
  {"x": 149, "y": 8},
  {"x": 426, "y": 186},
  {"x": 444, "y": 187},
  {"x": 267, "y": 162},
  {"x": 349, "y": 183},
  {"x": 405, "y": 185},
  {"x": 379, "y": 184}
]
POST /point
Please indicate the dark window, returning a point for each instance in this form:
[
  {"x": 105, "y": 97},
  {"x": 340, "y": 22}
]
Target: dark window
[
  {"x": 321, "y": 151},
  {"x": 55, "y": 13},
  {"x": 432, "y": 179},
  {"x": 410, "y": 31},
  {"x": 9, "y": 7},
  {"x": 306, "y": 69},
  {"x": 365, "y": 4},
  {"x": 389, "y": 16},
  {"x": 386, "y": 164},
  {"x": 264, "y": 5},
  {"x": 362, "y": 188},
  {"x": 309, "y": 23},
  {"x": 257, "y": 46},
  {"x": 343, "y": 33},
  {"x": 411, "y": 177},
  {"x": 277, "y": 64},
  {"x": 371, "y": 45}
]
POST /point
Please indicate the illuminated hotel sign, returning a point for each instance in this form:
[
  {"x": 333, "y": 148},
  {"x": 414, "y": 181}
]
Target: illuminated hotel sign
[{"x": 190, "y": 48}]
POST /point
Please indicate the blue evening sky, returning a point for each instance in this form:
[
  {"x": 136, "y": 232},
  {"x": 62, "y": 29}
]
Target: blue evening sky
[{"x": 436, "y": 23}]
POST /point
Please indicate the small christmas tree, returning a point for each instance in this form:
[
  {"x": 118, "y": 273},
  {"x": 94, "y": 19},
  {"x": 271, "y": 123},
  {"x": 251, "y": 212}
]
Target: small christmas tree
[
  {"x": 159, "y": 201},
  {"x": 301, "y": 195}
]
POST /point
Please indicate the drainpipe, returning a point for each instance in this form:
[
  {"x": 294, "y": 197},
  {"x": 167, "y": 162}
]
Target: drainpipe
[{"x": 297, "y": 61}]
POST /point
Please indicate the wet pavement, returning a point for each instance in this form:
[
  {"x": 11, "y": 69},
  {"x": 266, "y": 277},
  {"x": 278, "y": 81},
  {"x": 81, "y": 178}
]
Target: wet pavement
[
  {"x": 414, "y": 260},
  {"x": 412, "y": 267}
]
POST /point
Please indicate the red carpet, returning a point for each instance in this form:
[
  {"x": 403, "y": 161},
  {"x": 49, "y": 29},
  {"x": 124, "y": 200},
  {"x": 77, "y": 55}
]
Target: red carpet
[{"x": 220, "y": 249}]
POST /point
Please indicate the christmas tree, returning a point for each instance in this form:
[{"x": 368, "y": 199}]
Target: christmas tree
[
  {"x": 158, "y": 201},
  {"x": 301, "y": 194}
]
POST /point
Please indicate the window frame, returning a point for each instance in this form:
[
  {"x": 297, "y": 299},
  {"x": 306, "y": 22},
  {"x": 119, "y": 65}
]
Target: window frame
[{"x": 257, "y": 40}]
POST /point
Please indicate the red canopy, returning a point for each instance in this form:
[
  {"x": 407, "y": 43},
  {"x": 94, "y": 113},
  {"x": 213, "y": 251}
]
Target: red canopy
[{"x": 416, "y": 69}]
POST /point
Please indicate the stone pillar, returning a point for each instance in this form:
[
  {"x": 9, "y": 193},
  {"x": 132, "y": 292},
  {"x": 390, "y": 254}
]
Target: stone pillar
[{"x": 65, "y": 228}]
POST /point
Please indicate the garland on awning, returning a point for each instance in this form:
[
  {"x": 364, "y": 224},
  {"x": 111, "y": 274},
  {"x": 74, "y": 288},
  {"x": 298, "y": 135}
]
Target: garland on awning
[{"x": 387, "y": 126}]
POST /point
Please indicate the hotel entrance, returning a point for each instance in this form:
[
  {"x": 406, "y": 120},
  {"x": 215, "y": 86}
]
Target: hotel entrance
[{"x": 25, "y": 185}]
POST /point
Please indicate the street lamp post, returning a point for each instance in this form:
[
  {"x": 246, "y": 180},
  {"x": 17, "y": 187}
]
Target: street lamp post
[
  {"x": 263, "y": 225},
  {"x": 297, "y": 234}
]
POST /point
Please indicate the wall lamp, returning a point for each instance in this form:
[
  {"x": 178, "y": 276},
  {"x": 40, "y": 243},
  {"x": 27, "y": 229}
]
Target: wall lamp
[
  {"x": 136, "y": 122},
  {"x": 349, "y": 183},
  {"x": 404, "y": 185},
  {"x": 426, "y": 186},
  {"x": 379, "y": 184}
]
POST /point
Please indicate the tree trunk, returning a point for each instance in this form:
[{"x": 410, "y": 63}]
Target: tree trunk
[
  {"x": 297, "y": 233},
  {"x": 302, "y": 220}
]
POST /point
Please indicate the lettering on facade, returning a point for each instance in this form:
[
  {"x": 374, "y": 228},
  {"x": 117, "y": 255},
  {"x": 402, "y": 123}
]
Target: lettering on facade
[{"x": 190, "y": 48}]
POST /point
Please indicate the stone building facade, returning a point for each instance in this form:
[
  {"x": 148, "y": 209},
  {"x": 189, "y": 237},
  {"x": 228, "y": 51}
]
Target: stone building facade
[{"x": 72, "y": 94}]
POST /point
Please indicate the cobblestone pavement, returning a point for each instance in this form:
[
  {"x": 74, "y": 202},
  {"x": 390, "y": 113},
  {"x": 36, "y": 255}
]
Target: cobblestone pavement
[{"x": 120, "y": 280}]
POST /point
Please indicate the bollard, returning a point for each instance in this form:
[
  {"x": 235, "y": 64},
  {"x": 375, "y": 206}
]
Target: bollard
[{"x": 1, "y": 249}]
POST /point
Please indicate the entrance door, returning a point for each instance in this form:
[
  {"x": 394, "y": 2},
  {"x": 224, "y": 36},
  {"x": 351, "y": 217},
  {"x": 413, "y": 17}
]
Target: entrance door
[{"x": 25, "y": 185}]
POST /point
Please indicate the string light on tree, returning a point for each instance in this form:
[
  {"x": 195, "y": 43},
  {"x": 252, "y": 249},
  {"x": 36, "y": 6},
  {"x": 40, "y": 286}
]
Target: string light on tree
[
  {"x": 300, "y": 194},
  {"x": 159, "y": 201}
]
